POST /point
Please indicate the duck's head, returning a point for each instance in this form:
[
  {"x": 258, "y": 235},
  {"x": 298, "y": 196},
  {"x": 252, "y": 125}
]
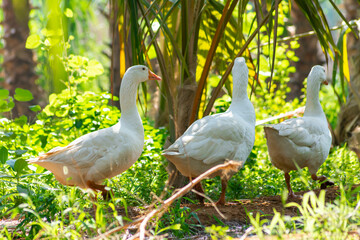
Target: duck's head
[
  {"x": 317, "y": 74},
  {"x": 240, "y": 67},
  {"x": 140, "y": 73}
]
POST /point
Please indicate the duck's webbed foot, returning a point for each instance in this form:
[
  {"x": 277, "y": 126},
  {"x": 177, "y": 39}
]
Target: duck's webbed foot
[
  {"x": 322, "y": 180},
  {"x": 326, "y": 184},
  {"x": 293, "y": 196}
]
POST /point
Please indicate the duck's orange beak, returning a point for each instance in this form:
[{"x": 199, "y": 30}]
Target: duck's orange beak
[{"x": 153, "y": 76}]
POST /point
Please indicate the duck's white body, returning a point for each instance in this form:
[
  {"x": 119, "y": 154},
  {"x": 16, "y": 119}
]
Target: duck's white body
[
  {"x": 216, "y": 138},
  {"x": 305, "y": 141},
  {"x": 105, "y": 153},
  {"x": 213, "y": 139},
  {"x": 95, "y": 156}
]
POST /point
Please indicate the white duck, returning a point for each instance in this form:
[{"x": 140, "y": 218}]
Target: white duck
[
  {"x": 213, "y": 139},
  {"x": 105, "y": 153},
  {"x": 304, "y": 141}
]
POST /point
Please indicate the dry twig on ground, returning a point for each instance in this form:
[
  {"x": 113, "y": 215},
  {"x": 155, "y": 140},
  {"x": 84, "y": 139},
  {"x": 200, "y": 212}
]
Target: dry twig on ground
[{"x": 143, "y": 221}]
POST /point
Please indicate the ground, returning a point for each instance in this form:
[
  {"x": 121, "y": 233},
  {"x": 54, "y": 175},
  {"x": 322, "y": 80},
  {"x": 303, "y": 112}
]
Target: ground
[{"x": 234, "y": 211}]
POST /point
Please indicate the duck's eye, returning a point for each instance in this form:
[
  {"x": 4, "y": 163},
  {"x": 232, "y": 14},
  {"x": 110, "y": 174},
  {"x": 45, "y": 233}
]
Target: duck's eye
[{"x": 143, "y": 68}]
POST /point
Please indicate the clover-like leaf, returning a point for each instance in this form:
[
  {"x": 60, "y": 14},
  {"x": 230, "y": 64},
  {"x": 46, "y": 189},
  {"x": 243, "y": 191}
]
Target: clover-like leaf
[
  {"x": 23, "y": 95},
  {"x": 33, "y": 41},
  {"x": 68, "y": 13},
  {"x": 94, "y": 68},
  {"x": 35, "y": 108},
  {"x": 4, "y": 93}
]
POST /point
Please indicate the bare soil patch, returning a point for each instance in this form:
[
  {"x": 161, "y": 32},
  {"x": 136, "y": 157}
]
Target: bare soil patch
[{"x": 236, "y": 211}]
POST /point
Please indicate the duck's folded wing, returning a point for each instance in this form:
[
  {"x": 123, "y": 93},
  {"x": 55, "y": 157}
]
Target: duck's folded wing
[
  {"x": 297, "y": 130},
  {"x": 73, "y": 156},
  {"x": 81, "y": 153},
  {"x": 210, "y": 141}
]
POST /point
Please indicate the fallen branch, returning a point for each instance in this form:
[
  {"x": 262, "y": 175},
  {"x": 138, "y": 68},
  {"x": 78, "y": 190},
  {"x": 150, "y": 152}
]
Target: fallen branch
[
  {"x": 227, "y": 166},
  {"x": 118, "y": 229},
  {"x": 231, "y": 165},
  {"x": 296, "y": 112},
  {"x": 211, "y": 202}
]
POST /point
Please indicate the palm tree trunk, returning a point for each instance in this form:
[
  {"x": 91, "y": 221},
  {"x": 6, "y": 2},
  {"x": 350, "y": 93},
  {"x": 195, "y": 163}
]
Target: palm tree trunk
[
  {"x": 188, "y": 86},
  {"x": 19, "y": 63},
  {"x": 115, "y": 79},
  {"x": 190, "y": 21},
  {"x": 349, "y": 117}
]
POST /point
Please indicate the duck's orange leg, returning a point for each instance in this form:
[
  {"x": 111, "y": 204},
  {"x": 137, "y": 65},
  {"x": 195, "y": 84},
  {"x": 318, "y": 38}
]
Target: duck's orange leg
[
  {"x": 221, "y": 200},
  {"x": 291, "y": 194},
  {"x": 105, "y": 193}
]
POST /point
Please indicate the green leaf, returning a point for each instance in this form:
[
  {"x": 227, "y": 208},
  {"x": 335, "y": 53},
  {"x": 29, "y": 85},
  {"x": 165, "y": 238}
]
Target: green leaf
[
  {"x": 3, "y": 154},
  {"x": 11, "y": 163},
  {"x": 33, "y": 41},
  {"x": 3, "y": 175},
  {"x": 4, "y": 93},
  {"x": 35, "y": 108},
  {"x": 19, "y": 165},
  {"x": 43, "y": 140},
  {"x": 20, "y": 152},
  {"x": 21, "y": 120},
  {"x": 6, "y": 106},
  {"x": 94, "y": 68},
  {"x": 78, "y": 123},
  {"x": 69, "y": 13},
  {"x": 345, "y": 58},
  {"x": 172, "y": 227},
  {"x": 23, "y": 95},
  {"x": 76, "y": 62},
  {"x": 24, "y": 189}
]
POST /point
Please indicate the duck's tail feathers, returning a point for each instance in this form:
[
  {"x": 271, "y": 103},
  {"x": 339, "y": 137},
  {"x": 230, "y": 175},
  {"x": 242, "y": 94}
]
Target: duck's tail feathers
[
  {"x": 168, "y": 152},
  {"x": 268, "y": 125}
]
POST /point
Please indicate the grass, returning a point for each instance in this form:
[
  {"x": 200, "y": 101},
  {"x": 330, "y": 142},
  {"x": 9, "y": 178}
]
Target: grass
[
  {"x": 47, "y": 209},
  {"x": 317, "y": 219}
]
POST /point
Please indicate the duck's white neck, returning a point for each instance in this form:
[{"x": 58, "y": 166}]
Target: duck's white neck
[
  {"x": 128, "y": 93},
  {"x": 239, "y": 87},
  {"x": 313, "y": 107}
]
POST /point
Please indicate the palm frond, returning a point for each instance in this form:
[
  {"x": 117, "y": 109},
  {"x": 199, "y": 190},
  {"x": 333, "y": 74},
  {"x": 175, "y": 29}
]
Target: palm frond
[
  {"x": 228, "y": 70},
  {"x": 227, "y": 12},
  {"x": 165, "y": 76},
  {"x": 316, "y": 17}
]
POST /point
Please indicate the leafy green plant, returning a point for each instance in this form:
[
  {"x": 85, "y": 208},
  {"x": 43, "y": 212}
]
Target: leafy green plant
[
  {"x": 316, "y": 217},
  {"x": 218, "y": 232},
  {"x": 180, "y": 220},
  {"x": 7, "y": 102}
]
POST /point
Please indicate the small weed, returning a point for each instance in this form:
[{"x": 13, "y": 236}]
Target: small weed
[
  {"x": 218, "y": 232},
  {"x": 180, "y": 220}
]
